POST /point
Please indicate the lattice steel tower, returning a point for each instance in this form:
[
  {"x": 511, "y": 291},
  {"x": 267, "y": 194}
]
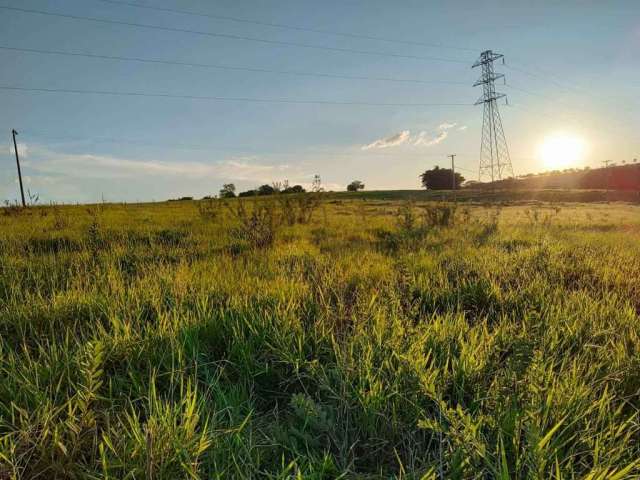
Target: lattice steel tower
[{"x": 495, "y": 162}]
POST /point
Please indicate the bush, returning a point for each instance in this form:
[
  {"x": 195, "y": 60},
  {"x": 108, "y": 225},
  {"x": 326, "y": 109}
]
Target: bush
[
  {"x": 439, "y": 215},
  {"x": 258, "y": 225},
  {"x": 209, "y": 209},
  {"x": 406, "y": 219}
]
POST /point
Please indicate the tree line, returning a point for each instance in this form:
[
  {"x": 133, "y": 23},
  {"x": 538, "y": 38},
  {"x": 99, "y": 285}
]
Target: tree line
[{"x": 228, "y": 190}]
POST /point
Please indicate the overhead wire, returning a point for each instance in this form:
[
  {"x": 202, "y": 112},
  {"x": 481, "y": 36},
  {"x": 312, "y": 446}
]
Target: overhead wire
[
  {"x": 230, "y": 36},
  {"x": 287, "y": 26},
  {"x": 222, "y": 67},
  {"x": 225, "y": 99}
]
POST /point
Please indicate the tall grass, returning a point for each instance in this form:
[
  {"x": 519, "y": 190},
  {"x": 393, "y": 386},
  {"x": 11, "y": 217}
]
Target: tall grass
[{"x": 378, "y": 340}]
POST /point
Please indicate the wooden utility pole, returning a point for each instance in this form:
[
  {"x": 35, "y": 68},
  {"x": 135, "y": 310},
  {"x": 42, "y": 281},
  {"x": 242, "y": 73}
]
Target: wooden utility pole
[
  {"x": 453, "y": 176},
  {"x": 15, "y": 147}
]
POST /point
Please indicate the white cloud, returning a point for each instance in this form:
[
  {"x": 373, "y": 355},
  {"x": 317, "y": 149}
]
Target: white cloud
[
  {"x": 109, "y": 167},
  {"x": 425, "y": 140},
  {"x": 462, "y": 128},
  {"x": 392, "y": 141},
  {"x": 440, "y": 135}
]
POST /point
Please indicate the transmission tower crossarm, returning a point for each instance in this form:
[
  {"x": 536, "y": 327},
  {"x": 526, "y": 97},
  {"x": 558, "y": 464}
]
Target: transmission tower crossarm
[
  {"x": 488, "y": 56},
  {"x": 494, "y": 76},
  {"x": 485, "y": 99}
]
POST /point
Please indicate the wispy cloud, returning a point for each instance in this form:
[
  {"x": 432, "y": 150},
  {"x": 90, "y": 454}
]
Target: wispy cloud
[
  {"x": 426, "y": 140},
  {"x": 462, "y": 128},
  {"x": 392, "y": 141},
  {"x": 111, "y": 167}
]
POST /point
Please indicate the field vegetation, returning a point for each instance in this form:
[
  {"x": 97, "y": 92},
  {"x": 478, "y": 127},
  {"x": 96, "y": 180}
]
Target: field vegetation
[{"x": 320, "y": 336}]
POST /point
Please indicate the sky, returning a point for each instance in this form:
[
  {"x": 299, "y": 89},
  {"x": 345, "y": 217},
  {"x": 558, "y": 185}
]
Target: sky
[{"x": 263, "y": 91}]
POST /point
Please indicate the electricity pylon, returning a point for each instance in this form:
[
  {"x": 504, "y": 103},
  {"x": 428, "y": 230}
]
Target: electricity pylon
[{"x": 495, "y": 162}]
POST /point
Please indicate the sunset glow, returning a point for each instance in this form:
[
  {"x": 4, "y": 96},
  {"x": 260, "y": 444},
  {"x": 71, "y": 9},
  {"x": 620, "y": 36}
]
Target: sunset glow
[{"x": 559, "y": 151}]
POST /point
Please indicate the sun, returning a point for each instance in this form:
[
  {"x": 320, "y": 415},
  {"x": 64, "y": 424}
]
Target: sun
[{"x": 559, "y": 151}]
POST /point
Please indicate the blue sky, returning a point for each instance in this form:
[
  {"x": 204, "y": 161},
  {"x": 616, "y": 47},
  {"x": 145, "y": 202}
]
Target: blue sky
[{"x": 571, "y": 66}]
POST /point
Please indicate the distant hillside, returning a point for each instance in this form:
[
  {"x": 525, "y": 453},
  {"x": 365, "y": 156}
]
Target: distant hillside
[
  {"x": 484, "y": 195},
  {"x": 624, "y": 177}
]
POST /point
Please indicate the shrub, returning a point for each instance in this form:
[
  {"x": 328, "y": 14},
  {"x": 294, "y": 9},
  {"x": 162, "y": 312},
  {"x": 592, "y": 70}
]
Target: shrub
[
  {"x": 439, "y": 214},
  {"x": 298, "y": 209},
  {"x": 406, "y": 219},
  {"x": 258, "y": 225},
  {"x": 209, "y": 208}
]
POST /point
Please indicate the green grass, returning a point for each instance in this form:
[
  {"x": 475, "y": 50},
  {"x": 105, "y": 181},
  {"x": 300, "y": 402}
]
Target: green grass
[{"x": 155, "y": 341}]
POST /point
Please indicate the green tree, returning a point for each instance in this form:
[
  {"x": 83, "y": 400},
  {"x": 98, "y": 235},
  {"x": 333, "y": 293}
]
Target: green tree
[
  {"x": 294, "y": 189},
  {"x": 440, "y": 179},
  {"x": 266, "y": 190},
  {"x": 355, "y": 186},
  {"x": 228, "y": 190}
]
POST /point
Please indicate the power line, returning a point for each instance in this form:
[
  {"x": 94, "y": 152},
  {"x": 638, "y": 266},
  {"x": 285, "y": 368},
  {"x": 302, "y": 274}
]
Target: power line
[
  {"x": 572, "y": 88},
  {"x": 554, "y": 117},
  {"x": 547, "y": 78},
  {"x": 231, "y": 36},
  {"x": 286, "y": 26},
  {"x": 223, "y": 67},
  {"x": 227, "y": 99}
]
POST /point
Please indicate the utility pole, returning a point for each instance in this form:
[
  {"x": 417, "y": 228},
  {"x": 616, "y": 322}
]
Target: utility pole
[
  {"x": 495, "y": 161},
  {"x": 15, "y": 147},
  {"x": 453, "y": 175}
]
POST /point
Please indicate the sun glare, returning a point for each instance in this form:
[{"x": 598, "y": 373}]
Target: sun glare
[{"x": 560, "y": 151}]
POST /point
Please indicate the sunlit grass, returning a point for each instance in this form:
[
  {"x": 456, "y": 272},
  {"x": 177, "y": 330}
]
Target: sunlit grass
[{"x": 156, "y": 341}]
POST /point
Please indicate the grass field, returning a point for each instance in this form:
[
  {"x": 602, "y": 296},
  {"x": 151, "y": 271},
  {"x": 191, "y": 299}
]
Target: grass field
[{"x": 375, "y": 339}]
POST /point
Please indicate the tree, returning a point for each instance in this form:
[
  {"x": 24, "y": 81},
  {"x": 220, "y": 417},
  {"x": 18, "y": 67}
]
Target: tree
[
  {"x": 248, "y": 193},
  {"x": 266, "y": 190},
  {"x": 355, "y": 186},
  {"x": 440, "y": 179},
  {"x": 294, "y": 189},
  {"x": 228, "y": 190}
]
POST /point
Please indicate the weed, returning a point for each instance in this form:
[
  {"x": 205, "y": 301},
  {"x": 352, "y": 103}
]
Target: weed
[
  {"x": 406, "y": 218},
  {"x": 298, "y": 208},
  {"x": 209, "y": 209},
  {"x": 258, "y": 225},
  {"x": 439, "y": 214}
]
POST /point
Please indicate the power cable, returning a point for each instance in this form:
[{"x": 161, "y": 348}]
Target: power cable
[
  {"x": 227, "y": 99},
  {"x": 223, "y": 67},
  {"x": 231, "y": 36},
  {"x": 287, "y": 26}
]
